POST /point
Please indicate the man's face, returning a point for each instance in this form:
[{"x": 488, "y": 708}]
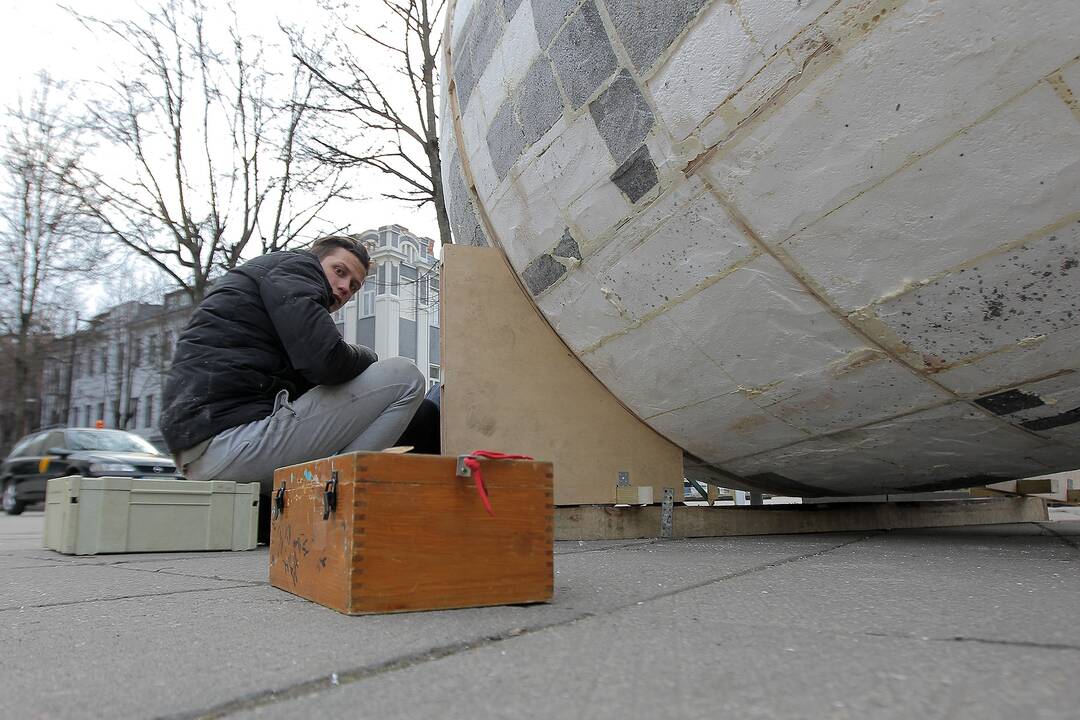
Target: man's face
[{"x": 345, "y": 275}]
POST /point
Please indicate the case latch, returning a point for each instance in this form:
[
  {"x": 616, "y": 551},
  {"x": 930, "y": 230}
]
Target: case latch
[
  {"x": 279, "y": 501},
  {"x": 330, "y": 496}
]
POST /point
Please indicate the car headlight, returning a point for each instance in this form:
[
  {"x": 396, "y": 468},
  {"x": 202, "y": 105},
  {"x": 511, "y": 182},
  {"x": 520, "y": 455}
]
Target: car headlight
[{"x": 111, "y": 467}]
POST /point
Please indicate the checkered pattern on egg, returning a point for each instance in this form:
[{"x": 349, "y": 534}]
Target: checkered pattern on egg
[{"x": 824, "y": 244}]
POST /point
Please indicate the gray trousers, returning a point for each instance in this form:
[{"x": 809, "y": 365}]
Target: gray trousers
[{"x": 367, "y": 413}]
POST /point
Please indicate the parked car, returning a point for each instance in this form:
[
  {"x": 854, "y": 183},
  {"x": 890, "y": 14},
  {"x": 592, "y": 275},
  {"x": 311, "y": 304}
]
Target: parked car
[{"x": 90, "y": 452}]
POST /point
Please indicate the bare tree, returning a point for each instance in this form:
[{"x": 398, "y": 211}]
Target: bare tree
[
  {"x": 209, "y": 139},
  {"x": 45, "y": 241},
  {"x": 367, "y": 121}
]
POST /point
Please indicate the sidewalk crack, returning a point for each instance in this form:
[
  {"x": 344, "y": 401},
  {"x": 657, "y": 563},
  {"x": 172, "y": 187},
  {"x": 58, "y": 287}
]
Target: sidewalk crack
[{"x": 314, "y": 686}]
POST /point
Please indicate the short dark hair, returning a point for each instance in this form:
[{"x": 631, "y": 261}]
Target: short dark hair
[{"x": 326, "y": 245}]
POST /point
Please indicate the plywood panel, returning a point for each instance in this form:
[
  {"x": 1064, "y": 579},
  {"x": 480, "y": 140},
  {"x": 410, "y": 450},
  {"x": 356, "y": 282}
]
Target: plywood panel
[{"x": 512, "y": 385}]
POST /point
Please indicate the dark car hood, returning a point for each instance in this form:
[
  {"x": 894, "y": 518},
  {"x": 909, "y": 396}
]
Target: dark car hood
[{"x": 132, "y": 458}]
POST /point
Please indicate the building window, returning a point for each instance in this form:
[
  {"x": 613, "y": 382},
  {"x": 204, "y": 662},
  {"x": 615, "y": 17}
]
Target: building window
[
  {"x": 76, "y": 369},
  {"x": 410, "y": 253},
  {"x": 365, "y": 332},
  {"x": 167, "y": 346},
  {"x": 152, "y": 348},
  {"x": 407, "y": 339},
  {"x": 104, "y": 359},
  {"x": 395, "y": 280},
  {"x": 367, "y": 303},
  {"x": 423, "y": 290},
  {"x": 75, "y": 416},
  {"x": 148, "y": 411},
  {"x": 136, "y": 352},
  {"x": 380, "y": 279},
  {"x": 132, "y": 413},
  {"x": 433, "y": 375},
  {"x": 89, "y": 418},
  {"x": 101, "y": 412},
  {"x": 433, "y": 346}
]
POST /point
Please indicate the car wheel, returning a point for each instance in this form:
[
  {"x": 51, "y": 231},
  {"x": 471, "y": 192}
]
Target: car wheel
[{"x": 12, "y": 504}]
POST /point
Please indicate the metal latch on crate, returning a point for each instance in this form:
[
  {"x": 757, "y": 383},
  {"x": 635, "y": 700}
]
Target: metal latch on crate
[
  {"x": 463, "y": 470},
  {"x": 330, "y": 496},
  {"x": 279, "y": 501}
]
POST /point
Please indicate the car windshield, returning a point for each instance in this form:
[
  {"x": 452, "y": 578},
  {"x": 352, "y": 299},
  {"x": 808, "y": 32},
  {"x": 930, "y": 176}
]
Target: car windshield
[{"x": 114, "y": 440}]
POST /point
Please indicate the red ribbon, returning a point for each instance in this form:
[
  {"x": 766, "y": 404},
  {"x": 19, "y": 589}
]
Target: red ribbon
[{"x": 472, "y": 461}]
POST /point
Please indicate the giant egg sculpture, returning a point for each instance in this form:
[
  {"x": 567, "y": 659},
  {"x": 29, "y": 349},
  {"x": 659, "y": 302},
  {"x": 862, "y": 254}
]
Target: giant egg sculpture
[{"x": 828, "y": 246}]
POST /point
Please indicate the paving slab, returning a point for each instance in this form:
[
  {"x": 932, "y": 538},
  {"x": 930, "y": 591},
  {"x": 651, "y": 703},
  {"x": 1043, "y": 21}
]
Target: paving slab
[{"x": 952, "y": 622}]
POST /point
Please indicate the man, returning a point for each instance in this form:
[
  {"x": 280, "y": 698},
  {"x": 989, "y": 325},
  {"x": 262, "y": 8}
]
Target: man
[{"x": 262, "y": 378}]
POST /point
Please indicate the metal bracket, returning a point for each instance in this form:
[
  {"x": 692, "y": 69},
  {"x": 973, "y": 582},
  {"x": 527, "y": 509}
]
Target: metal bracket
[
  {"x": 330, "y": 496},
  {"x": 463, "y": 469},
  {"x": 279, "y": 501},
  {"x": 666, "y": 511}
]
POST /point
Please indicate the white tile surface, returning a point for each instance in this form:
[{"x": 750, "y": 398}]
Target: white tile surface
[
  {"x": 697, "y": 78},
  {"x": 518, "y": 47},
  {"x": 696, "y": 243},
  {"x": 944, "y": 64},
  {"x": 775, "y": 22},
  {"x": 725, "y": 427},
  {"x": 843, "y": 396},
  {"x": 657, "y": 368},
  {"x": 574, "y": 162},
  {"x": 1009, "y": 176},
  {"x": 763, "y": 327},
  {"x": 598, "y": 210},
  {"x": 524, "y": 223},
  {"x": 582, "y": 311},
  {"x": 1012, "y": 366}
]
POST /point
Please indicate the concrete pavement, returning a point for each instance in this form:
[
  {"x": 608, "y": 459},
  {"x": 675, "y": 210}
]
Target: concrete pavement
[{"x": 945, "y": 623}]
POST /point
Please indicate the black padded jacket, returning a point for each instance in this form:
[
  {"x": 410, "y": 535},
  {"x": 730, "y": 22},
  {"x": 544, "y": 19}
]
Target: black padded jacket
[{"x": 264, "y": 327}]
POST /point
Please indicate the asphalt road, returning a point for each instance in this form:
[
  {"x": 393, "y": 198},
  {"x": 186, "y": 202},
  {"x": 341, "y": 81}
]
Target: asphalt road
[{"x": 945, "y": 623}]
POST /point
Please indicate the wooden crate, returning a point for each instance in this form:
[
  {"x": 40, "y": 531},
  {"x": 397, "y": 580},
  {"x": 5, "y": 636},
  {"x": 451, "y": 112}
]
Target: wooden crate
[{"x": 408, "y": 534}]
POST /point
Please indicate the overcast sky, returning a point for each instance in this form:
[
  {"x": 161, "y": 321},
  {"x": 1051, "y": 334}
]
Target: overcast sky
[{"x": 39, "y": 34}]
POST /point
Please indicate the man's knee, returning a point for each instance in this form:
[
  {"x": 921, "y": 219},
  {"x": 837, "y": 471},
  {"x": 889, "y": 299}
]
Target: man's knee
[{"x": 399, "y": 371}]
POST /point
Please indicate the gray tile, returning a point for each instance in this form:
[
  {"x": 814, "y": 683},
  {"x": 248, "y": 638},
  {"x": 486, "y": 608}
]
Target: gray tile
[
  {"x": 567, "y": 247},
  {"x": 637, "y": 175},
  {"x": 648, "y": 27},
  {"x": 510, "y": 7},
  {"x": 483, "y": 28},
  {"x": 471, "y": 231},
  {"x": 549, "y": 15},
  {"x": 542, "y": 273},
  {"x": 622, "y": 116},
  {"x": 505, "y": 140},
  {"x": 582, "y": 55},
  {"x": 539, "y": 101},
  {"x": 465, "y": 78},
  {"x": 463, "y": 222}
]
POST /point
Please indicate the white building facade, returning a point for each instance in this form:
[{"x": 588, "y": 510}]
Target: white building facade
[
  {"x": 396, "y": 313},
  {"x": 113, "y": 372}
]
